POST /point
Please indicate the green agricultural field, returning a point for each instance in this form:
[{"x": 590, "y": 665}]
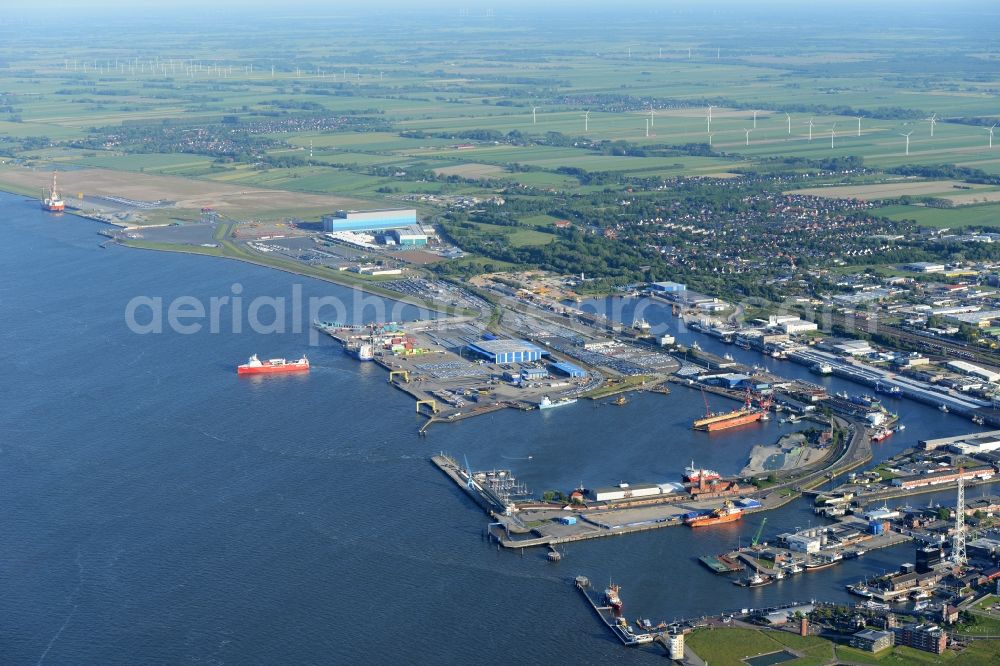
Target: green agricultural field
[{"x": 950, "y": 218}]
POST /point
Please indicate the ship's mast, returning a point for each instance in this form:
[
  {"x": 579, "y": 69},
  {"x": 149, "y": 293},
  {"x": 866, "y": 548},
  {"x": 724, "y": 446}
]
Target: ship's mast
[{"x": 54, "y": 194}]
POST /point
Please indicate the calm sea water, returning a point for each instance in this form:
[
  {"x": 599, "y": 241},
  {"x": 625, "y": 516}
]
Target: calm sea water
[{"x": 157, "y": 509}]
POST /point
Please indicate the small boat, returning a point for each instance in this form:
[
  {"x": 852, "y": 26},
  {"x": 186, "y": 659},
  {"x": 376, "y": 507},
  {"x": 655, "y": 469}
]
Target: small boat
[
  {"x": 795, "y": 569},
  {"x": 860, "y": 590},
  {"x": 901, "y": 427},
  {"x": 756, "y": 580},
  {"x": 944, "y": 408},
  {"x": 882, "y": 435},
  {"x": 978, "y": 420},
  {"x": 822, "y": 369},
  {"x": 620, "y": 401}
]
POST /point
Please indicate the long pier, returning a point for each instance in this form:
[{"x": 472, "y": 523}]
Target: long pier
[
  {"x": 607, "y": 616},
  {"x": 481, "y": 495}
]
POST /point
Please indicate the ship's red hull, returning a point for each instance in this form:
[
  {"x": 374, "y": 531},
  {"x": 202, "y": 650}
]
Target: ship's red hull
[
  {"x": 271, "y": 369},
  {"x": 734, "y": 422},
  {"x": 705, "y": 521},
  {"x": 54, "y": 208}
]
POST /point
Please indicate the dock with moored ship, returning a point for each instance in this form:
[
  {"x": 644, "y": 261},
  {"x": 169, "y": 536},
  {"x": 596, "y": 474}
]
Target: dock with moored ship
[{"x": 618, "y": 626}]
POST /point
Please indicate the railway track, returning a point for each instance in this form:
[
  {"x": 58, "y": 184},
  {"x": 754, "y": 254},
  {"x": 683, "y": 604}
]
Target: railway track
[{"x": 942, "y": 349}]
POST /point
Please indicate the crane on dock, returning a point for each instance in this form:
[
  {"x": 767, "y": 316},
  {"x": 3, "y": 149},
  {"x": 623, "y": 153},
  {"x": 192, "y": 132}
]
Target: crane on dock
[
  {"x": 468, "y": 472},
  {"x": 760, "y": 530}
]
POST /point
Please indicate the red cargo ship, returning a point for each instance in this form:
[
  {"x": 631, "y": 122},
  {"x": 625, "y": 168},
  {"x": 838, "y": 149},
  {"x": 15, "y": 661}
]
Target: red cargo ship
[
  {"x": 727, "y": 514},
  {"x": 746, "y": 414},
  {"x": 272, "y": 366}
]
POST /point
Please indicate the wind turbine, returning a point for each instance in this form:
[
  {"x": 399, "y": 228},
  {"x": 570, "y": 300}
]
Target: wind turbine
[
  {"x": 748, "y": 134},
  {"x": 788, "y": 117},
  {"x": 810, "y": 123},
  {"x": 990, "y": 130},
  {"x": 652, "y": 115},
  {"x": 755, "y": 119},
  {"x": 709, "y": 140},
  {"x": 647, "y": 128},
  {"x": 859, "y": 125},
  {"x": 907, "y": 135},
  {"x": 586, "y": 121},
  {"x": 534, "y": 119},
  {"x": 708, "y": 119},
  {"x": 833, "y": 133},
  {"x": 933, "y": 120}
]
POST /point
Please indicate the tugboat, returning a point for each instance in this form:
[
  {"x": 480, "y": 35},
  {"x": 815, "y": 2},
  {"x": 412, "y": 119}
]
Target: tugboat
[
  {"x": 756, "y": 580},
  {"x": 944, "y": 408}
]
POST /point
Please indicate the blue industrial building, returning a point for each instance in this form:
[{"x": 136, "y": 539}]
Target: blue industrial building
[
  {"x": 567, "y": 368},
  {"x": 667, "y": 287},
  {"x": 368, "y": 220},
  {"x": 533, "y": 374},
  {"x": 507, "y": 351}
]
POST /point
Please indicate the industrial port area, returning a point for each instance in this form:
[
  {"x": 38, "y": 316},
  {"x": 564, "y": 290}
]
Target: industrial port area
[
  {"x": 549, "y": 353},
  {"x": 526, "y": 342}
]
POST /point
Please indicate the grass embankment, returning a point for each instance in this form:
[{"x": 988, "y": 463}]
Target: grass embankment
[
  {"x": 979, "y": 625},
  {"x": 729, "y": 647},
  {"x": 229, "y": 250},
  {"x": 615, "y": 386}
]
